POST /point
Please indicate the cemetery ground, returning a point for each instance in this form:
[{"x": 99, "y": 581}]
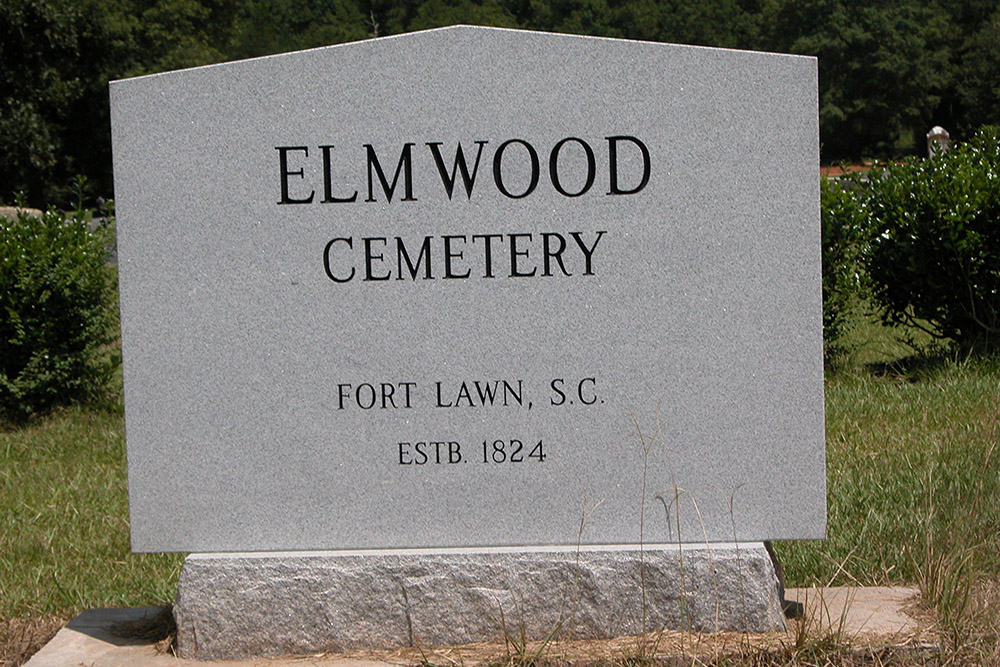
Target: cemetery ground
[{"x": 914, "y": 499}]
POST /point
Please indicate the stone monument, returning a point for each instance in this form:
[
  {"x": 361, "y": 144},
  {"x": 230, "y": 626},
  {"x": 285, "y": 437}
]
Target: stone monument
[
  {"x": 938, "y": 141},
  {"x": 424, "y": 331}
]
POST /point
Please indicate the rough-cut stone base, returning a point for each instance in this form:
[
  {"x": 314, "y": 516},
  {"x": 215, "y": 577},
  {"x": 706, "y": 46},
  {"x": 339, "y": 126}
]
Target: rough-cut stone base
[{"x": 254, "y": 605}]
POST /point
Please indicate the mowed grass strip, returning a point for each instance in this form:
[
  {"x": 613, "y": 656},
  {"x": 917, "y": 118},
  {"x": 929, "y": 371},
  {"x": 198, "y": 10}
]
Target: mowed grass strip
[{"x": 64, "y": 540}]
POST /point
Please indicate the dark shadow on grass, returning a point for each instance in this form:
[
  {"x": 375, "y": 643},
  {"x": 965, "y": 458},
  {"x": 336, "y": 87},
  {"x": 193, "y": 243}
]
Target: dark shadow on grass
[
  {"x": 912, "y": 368},
  {"x": 928, "y": 364}
]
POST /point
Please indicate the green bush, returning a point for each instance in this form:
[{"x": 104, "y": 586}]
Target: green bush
[
  {"x": 56, "y": 312},
  {"x": 843, "y": 221},
  {"x": 933, "y": 256}
]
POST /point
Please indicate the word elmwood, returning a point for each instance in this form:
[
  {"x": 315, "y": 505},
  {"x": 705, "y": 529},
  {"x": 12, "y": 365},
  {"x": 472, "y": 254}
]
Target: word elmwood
[{"x": 513, "y": 154}]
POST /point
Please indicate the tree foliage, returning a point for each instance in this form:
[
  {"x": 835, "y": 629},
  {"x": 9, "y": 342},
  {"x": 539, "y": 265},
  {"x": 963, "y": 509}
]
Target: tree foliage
[
  {"x": 55, "y": 60},
  {"x": 883, "y": 67},
  {"x": 265, "y": 27},
  {"x": 978, "y": 83}
]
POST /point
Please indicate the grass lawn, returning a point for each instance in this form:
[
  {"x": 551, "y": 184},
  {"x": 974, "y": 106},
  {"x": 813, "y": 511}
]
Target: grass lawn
[
  {"x": 913, "y": 472},
  {"x": 914, "y": 498},
  {"x": 64, "y": 542}
]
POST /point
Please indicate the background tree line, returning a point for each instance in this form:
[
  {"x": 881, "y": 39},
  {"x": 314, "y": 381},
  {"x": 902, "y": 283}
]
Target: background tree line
[{"x": 889, "y": 69}]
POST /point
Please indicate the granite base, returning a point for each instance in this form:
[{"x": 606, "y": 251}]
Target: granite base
[{"x": 232, "y": 606}]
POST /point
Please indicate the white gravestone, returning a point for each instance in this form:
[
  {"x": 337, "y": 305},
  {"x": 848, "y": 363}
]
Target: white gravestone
[
  {"x": 467, "y": 287},
  {"x": 938, "y": 141}
]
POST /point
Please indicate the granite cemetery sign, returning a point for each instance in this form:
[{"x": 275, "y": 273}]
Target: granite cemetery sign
[{"x": 447, "y": 289}]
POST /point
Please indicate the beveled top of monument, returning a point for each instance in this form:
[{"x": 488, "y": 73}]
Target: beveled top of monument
[{"x": 467, "y": 288}]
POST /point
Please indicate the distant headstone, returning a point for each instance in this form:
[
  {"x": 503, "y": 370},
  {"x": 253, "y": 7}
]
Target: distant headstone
[
  {"x": 472, "y": 288},
  {"x": 937, "y": 141}
]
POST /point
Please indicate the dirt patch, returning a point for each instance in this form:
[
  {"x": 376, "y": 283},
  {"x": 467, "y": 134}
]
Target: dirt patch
[{"x": 21, "y": 638}]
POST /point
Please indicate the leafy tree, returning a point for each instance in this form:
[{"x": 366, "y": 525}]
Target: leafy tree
[
  {"x": 720, "y": 23},
  {"x": 439, "y": 13},
  {"x": 882, "y": 67},
  {"x": 979, "y": 79},
  {"x": 264, "y": 27},
  {"x": 643, "y": 19},
  {"x": 182, "y": 33},
  {"x": 390, "y": 17},
  {"x": 55, "y": 61},
  {"x": 587, "y": 17}
]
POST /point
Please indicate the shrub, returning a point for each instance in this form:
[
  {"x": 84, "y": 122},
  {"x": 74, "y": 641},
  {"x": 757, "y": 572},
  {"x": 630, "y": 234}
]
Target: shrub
[
  {"x": 842, "y": 220},
  {"x": 56, "y": 312},
  {"x": 934, "y": 252}
]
